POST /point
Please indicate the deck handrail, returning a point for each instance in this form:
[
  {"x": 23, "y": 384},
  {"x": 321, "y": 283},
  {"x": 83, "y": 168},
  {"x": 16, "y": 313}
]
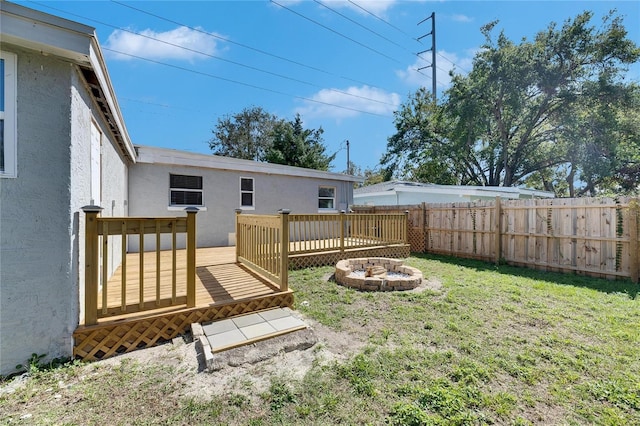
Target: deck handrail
[
  {"x": 259, "y": 245},
  {"x": 260, "y": 238},
  {"x": 343, "y": 231},
  {"x": 97, "y": 232}
]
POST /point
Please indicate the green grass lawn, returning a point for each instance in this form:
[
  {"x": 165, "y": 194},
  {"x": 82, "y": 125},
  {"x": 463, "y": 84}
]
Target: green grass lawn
[{"x": 492, "y": 345}]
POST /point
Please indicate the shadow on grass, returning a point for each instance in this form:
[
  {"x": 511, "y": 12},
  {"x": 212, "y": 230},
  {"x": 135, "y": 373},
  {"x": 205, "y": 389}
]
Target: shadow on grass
[{"x": 625, "y": 286}]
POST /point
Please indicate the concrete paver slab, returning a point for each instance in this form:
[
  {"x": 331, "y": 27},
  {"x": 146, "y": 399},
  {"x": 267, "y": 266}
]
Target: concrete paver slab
[
  {"x": 226, "y": 338},
  {"x": 219, "y": 327},
  {"x": 246, "y": 320},
  {"x": 257, "y": 330},
  {"x": 286, "y": 323},
  {"x": 274, "y": 314}
]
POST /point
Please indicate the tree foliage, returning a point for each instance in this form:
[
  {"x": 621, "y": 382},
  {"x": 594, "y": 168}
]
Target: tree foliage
[
  {"x": 554, "y": 113},
  {"x": 246, "y": 135},
  {"x": 294, "y": 145}
]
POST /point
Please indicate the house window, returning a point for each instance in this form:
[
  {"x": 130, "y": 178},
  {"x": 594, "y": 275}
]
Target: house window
[
  {"x": 185, "y": 190},
  {"x": 326, "y": 197},
  {"x": 8, "y": 138},
  {"x": 247, "y": 193}
]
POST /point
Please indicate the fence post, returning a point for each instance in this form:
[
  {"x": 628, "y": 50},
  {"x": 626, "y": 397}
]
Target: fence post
[
  {"x": 634, "y": 268},
  {"x": 191, "y": 256},
  {"x": 342, "y": 226},
  {"x": 497, "y": 224},
  {"x": 425, "y": 228},
  {"x": 406, "y": 228},
  {"x": 284, "y": 253},
  {"x": 239, "y": 248},
  {"x": 91, "y": 264}
]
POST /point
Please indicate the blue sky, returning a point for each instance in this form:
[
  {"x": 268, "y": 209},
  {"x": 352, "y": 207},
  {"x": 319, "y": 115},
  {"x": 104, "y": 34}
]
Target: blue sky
[{"x": 344, "y": 66}]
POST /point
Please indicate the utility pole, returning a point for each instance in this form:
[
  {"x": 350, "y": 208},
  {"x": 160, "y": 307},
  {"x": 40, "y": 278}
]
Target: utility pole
[
  {"x": 433, "y": 52},
  {"x": 348, "y": 162}
]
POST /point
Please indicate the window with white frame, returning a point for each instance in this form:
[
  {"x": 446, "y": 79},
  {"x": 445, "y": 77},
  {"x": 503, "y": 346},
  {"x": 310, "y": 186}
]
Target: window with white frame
[
  {"x": 327, "y": 197},
  {"x": 247, "y": 193},
  {"x": 185, "y": 190},
  {"x": 8, "y": 139}
]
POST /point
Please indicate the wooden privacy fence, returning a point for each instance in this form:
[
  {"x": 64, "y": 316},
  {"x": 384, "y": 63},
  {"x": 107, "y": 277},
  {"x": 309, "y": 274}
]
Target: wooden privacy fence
[
  {"x": 163, "y": 291},
  {"x": 593, "y": 236}
]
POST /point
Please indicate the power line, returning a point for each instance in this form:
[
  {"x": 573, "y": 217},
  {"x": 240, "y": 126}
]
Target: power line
[
  {"x": 362, "y": 26},
  {"x": 261, "y": 70},
  {"x": 451, "y": 62},
  {"x": 336, "y": 32},
  {"x": 241, "y": 83},
  {"x": 381, "y": 19},
  {"x": 263, "y": 52}
]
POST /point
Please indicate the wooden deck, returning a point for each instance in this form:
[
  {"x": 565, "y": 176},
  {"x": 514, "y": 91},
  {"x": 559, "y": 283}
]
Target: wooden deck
[
  {"x": 219, "y": 280},
  {"x": 223, "y": 289}
]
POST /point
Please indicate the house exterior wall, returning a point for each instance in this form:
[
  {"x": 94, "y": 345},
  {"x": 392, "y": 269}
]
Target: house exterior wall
[
  {"x": 149, "y": 196},
  {"x": 113, "y": 182},
  {"x": 36, "y": 276},
  {"x": 41, "y": 225}
]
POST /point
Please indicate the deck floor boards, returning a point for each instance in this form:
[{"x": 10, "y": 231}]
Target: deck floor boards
[{"x": 219, "y": 280}]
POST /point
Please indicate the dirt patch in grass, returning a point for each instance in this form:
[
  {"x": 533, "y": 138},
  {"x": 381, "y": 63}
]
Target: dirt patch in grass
[{"x": 157, "y": 379}]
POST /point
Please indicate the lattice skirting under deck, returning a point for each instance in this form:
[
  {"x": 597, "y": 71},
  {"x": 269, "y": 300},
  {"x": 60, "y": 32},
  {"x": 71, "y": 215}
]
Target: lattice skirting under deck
[
  {"x": 331, "y": 258},
  {"x": 105, "y": 340}
]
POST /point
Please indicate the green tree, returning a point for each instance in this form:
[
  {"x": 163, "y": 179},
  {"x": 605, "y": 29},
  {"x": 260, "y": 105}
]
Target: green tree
[
  {"x": 246, "y": 135},
  {"x": 521, "y": 114},
  {"x": 294, "y": 145}
]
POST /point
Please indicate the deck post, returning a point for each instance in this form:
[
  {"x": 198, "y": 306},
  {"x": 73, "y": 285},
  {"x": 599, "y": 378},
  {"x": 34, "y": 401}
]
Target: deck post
[
  {"x": 91, "y": 271},
  {"x": 342, "y": 228},
  {"x": 191, "y": 256},
  {"x": 239, "y": 247},
  {"x": 284, "y": 253}
]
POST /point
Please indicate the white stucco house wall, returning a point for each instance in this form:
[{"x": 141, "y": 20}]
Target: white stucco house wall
[
  {"x": 61, "y": 130},
  {"x": 64, "y": 145},
  {"x": 165, "y": 181},
  {"x": 400, "y": 193}
]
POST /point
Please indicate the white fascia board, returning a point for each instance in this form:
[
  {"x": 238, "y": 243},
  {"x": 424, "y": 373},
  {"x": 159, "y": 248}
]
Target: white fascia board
[
  {"x": 51, "y": 35},
  {"x": 154, "y": 155},
  {"x": 100, "y": 69},
  {"x": 374, "y": 194}
]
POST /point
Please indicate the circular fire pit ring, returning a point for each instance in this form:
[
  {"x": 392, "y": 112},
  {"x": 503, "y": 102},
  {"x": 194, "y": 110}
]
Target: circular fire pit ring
[{"x": 377, "y": 274}]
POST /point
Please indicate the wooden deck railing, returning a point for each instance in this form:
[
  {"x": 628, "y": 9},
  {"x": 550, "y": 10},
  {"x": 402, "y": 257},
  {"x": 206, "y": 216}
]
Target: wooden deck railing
[
  {"x": 259, "y": 238},
  {"x": 311, "y": 233},
  {"x": 98, "y": 231},
  {"x": 259, "y": 245}
]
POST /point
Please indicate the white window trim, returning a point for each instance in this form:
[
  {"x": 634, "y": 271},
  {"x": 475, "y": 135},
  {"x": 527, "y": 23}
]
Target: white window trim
[
  {"x": 178, "y": 207},
  {"x": 253, "y": 193},
  {"x": 334, "y": 209},
  {"x": 9, "y": 115}
]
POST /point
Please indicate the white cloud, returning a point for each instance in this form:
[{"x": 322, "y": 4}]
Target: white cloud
[
  {"x": 180, "y": 43},
  {"x": 377, "y": 7},
  {"x": 461, "y": 18},
  {"x": 445, "y": 62},
  {"x": 350, "y": 102}
]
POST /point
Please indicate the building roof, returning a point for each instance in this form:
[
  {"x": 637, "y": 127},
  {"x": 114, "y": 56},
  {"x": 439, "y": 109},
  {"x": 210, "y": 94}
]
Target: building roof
[
  {"x": 385, "y": 188},
  {"x": 153, "y": 155},
  {"x": 75, "y": 42}
]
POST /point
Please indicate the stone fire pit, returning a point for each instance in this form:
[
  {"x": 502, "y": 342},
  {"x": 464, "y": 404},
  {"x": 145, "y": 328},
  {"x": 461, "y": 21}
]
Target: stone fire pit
[{"x": 377, "y": 274}]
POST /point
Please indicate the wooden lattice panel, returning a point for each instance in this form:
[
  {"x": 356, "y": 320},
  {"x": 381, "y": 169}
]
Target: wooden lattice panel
[
  {"x": 105, "y": 340},
  {"x": 331, "y": 258},
  {"x": 416, "y": 239}
]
